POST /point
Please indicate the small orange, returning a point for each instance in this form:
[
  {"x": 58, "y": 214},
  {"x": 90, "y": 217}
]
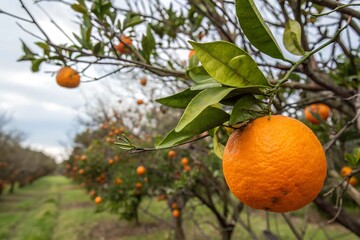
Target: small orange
[
  {"x": 345, "y": 171},
  {"x": 83, "y": 157},
  {"x": 174, "y": 205},
  {"x": 68, "y": 166},
  {"x": 118, "y": 181},
  {"x": 75, "y": 168},
  {"x": 353, "y": 181},
  {"x": 143, "y": 81},
  {"x": 161, "y": 197},
  {"x": 184, "y": 161},
  {"x": 171, "y": 154},
  {"x": 139, "y": 101},
  {"x": 123, "y": 46},
  {"x": 81, "y": 171},
  {"x": 138, "y": 185},
  {"x": 187, "y": 168},
  {"x": 98, "y": 200},
  {"x": 111, "y": 161},
  {"x": 317, "y": 109},
  {"x": 274, "y": 163},
  {"x": 140, "y": 170},
  {"x": 68, "y": 77},
  {"x": 176, "y": 213},
  {"x": 191, "y": 53}
]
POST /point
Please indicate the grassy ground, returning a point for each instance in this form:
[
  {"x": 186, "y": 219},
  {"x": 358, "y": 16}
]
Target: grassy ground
[{"x": 54, "y": 208}]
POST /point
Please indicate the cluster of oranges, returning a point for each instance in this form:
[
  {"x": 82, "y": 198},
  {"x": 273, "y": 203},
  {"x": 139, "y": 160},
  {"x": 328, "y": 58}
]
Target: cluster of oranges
[
  {"x": 346, "y": 171},
  {"x": 175, "y": 210},
  {"x": 185, "y": 163}
]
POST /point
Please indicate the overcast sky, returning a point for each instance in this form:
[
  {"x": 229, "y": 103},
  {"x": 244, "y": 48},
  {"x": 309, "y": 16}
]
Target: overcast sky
[{"x": 41, "y": 109}]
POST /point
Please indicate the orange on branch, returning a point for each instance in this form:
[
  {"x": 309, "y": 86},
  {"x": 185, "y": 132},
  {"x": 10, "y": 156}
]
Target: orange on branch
[
  {"x": 275, "y": 164},
  {"x": 138, "y": 185},
  {"x": 184, "y": 161},
  {"x": 171, "y": 154},
  {"x": 68, "y": 77},
  {"x": 187, "y": 168},
  {"x": 123, "y": 46},
  {"x": 176, "y": 213},
  {"x": 140, "y": 170},
  {"x": 353, "y": 181},
  {"x": 98, "y": 200},
  {"x": 111, "y": 161},
  {"x": 345, "y": 171},
  {"x": 118, "y": 181},
  {"x": 139, "y": 101},
  {"x": 143, "y": 81},
  {"x": 317, "y": 109}
]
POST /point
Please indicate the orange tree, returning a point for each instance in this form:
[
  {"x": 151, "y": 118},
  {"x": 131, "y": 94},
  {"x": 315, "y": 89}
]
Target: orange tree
[{"x": 243, "y": 75}]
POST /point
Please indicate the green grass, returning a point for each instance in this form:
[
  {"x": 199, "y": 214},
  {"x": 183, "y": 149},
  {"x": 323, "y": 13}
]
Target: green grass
[{"x": 55, "y": 208}]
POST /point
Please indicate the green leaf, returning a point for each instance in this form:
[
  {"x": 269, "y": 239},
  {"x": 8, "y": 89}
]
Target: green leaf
[
  {"x": 292, "y": 38},
  {"x": 35, "y": 64},
  {"x": 45, "y": 47},
  {"x": 148, "y": 43},
  {"x": 97, "y": 48},
  {"x": 256, "y": 30},
  {"x": 200, "y": 102},
  {"x": 208, "y": 119},
  {"x": 131, "y": 21},
  {"x": 229, "y": 64},
  {"x": 178, "y": 100},
  {"x": 218, "y": 147},
  {"x": 246, "y": 108},
  {"x": 79, "y": 8},
  {"x": 202, "y": 79}
]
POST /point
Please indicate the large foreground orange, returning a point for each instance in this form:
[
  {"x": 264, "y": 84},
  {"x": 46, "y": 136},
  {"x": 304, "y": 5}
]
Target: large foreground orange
[{"x": 277, "y": 165}]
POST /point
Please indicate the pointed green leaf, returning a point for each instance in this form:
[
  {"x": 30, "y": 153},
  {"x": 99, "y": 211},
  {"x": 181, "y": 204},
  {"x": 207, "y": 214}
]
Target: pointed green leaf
[
  {"x": 246, "y": 108},
  {"x": 148, "y": 43},
  {"x": 44, "y": 46},
  {"x": 208, "y": 119},
  {"x": 79, "y": 8},
  {"x": 132, "y": 21},
  {"x": 255, "y": 28},
  {"x": 200, "y": 102},
  {"x": 229, "y": 64},
  {"x": 292, "y": 38},
  {"x": 202, "y": 79},
  {"x": 35, "y": 64},
  {"x": 178, "y": 100}
]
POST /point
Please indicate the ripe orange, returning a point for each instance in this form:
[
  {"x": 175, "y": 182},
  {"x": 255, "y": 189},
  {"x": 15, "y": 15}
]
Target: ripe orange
[
  {"x": 176, "y": 213},
  {"x": 139, "y": 101},
  {"x": 121, "y": 47},
  {"x": 140, "y": 170},
  {"x": 171, "y": 154},
  {"x": 317, "y": 109},
  {"x": 353, "y": 181},
  {"x": 187, "y": 168},
  {"x": 138, "y": 185},
  {"x": 68, "y": 77},
  {"x": 184, "y": 161},
  {"x": 118, "y": 181},
  {"x": 81, "y": 171},
  {"x": 191, "y": 53},
  {"x": 345, "y": 171},
  {"x": 174, "y": 205},
  {"x": 143, "y": 81},
  {"x": 111, "y": 161},
  {"x": 277, "y": 165},
  {"x": 98, "y": 200}
]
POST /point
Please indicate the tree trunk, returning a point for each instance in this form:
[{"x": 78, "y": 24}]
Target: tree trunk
[
  {"x": 344, "y": 219},
  {"x": 227, "y": 231},
  {"x": 179, "y": 231},
  {"x": 12, "y": 186}
]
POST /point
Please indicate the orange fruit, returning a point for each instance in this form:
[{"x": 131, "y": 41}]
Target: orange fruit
[
  {"x": 161, "y": 197},
  {"x": 68, "y": 77},
  {"x": 118, "y": 181},
  {"x": 83, "y": 157},
  {"x": 140, "y": 170},
  {"x": 138, "y": 185},
  {"x": 98, "y": 200},
  {"x": 187, "y": 168},
  {"x": 81, "y": 171},
  {"x": 111, "y": 161},
  {"x": 174, "y": 205},
  {"x": 191, "y": 53},
  {"x": 184, "y": 161},
  {"x": 171, "y": 154},
  {"x": 139, "y": 102},
  {"x": 143, "y": 81},
  {"x": 275, "y": 164},
  {"x": 353, "y": 181},
  {"x": 345, "y": 171},
  {"x": 176, "y": 213},
  {"x": 317, "y": 109},
  {"x": 121, "y": 47}
]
